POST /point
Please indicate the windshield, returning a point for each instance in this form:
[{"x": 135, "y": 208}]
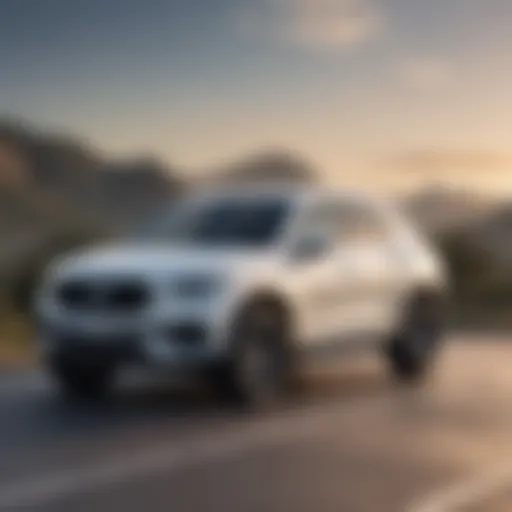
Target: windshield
[{"x": 241, "y": 221}]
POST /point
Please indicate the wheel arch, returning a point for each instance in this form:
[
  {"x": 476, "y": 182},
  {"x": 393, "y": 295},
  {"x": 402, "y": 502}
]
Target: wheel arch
[
  {"x": 431, "y": 293},
  {"x": 276, "y": 299}
]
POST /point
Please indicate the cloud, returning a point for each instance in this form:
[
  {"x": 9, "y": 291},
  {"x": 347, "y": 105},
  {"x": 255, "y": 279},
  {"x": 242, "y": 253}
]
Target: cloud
[
  {"x": 317, "y": 23},
  {"x": 331, "y": 22},
  {"x": 426, "y": 74}
]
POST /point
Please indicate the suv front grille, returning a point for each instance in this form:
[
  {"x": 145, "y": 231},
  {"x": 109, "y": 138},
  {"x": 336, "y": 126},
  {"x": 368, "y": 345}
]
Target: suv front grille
[
  {"x": 115, "y": 297},
  {"x": 186, "y": 334}
]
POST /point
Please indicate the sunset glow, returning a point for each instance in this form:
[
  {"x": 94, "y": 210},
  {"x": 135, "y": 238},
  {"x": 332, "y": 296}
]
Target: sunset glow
[{"x": 357, "y": 86}]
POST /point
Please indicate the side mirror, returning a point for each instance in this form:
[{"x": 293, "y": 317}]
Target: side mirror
[{"x": 310, "y": 248}]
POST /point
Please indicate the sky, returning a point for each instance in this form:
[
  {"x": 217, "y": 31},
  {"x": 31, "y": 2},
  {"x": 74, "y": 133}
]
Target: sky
[{"x": 374, "y": 92}]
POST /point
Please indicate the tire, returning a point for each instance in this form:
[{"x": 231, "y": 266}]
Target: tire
[
  {"x": 82, "y": 382},
  {"x": 258, "y": 371},
  {"x": 413, "y": 350}
]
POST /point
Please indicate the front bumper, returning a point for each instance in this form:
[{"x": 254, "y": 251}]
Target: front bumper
[
  {"x": 88, "y": 351},
  {"x": 185, "y": 345}
]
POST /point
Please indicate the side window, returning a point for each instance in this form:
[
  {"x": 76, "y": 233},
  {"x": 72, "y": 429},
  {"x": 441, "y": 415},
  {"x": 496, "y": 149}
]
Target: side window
[
  {"x": 322, "y": 220},
  {"x": 343, "y": 222},
  {"x": 362, "y": 225}
]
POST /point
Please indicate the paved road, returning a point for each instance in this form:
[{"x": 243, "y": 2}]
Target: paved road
[{"x": 352, "y": 443}]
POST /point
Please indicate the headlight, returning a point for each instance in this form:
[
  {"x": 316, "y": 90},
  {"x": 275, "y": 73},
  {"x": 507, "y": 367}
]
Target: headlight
[{"x": 197, "y": 287}]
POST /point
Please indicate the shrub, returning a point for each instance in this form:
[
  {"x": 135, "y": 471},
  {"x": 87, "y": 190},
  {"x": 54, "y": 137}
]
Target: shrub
[
  {"x": 478, "y": 282},
  {"x": 24, "y": 280}
]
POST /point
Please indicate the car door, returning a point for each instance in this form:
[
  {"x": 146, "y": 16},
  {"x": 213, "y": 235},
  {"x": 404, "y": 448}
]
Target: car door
[
  {"x": 316, "y": 275},
  {"x": 372, "y": 289}
]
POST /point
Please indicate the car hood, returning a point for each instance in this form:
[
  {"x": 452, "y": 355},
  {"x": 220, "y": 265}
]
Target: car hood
[{"x": 155, "y": 261}]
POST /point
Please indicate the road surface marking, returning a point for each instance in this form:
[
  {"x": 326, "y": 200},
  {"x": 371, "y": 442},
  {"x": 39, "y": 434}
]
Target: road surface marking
[
  {"x": 171, "y": 457},
  {"x": 467, "y": 492}
]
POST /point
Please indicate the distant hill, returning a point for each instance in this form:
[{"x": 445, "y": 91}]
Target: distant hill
[
  {"x": 52, "y": 185},
  {"x": 494, "y": 235},
  {"x": 273, "y": 166},
  {"x": 439, "y": 208},
  {"x": 483, "y": 223},
  {"x": 48, "y": 176}
]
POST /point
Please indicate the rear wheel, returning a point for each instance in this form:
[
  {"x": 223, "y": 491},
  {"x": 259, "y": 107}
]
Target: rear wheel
[
  {"x": 413, "y": 350},
  {"x": 258, "y": 371},
  {"x": 80, "y": 381}
]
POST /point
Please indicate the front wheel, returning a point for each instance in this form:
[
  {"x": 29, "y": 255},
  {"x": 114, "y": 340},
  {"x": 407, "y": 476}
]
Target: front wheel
[
  {"x": 258, "y": 372},
  {"x": 413, "y": 350}
]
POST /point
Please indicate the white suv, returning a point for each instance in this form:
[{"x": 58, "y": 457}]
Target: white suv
[{"x": 248, "y": 285}]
